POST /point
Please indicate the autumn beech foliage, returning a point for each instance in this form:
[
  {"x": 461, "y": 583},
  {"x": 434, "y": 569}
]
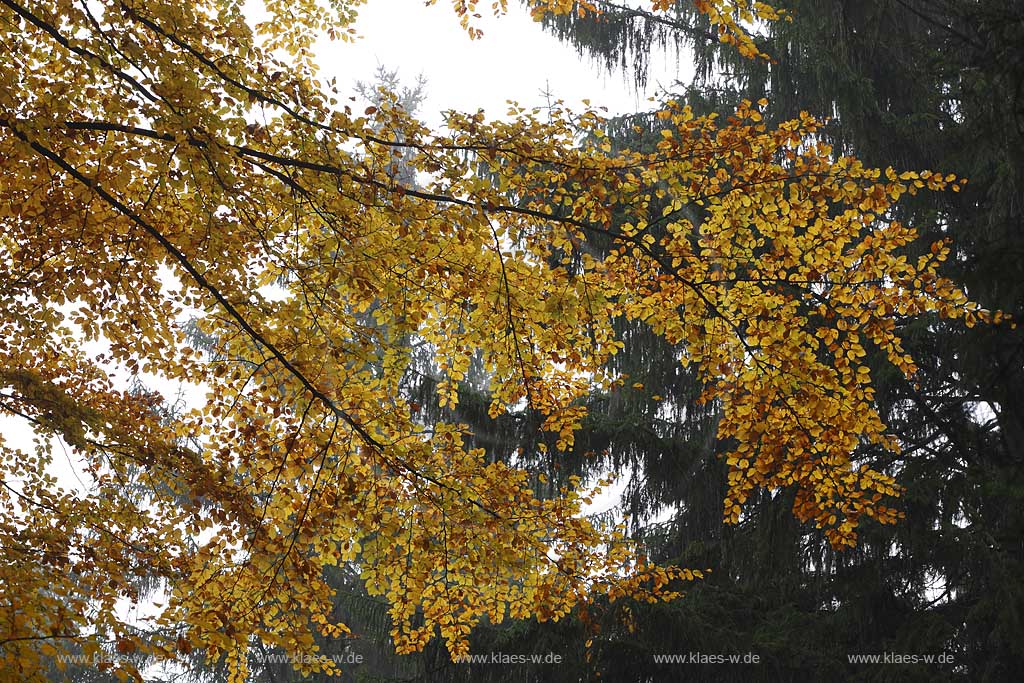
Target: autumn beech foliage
[{"x": 160, "y": 157}]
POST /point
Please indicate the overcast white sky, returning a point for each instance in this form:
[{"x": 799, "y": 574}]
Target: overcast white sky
[{"x": 516, "y": 59}]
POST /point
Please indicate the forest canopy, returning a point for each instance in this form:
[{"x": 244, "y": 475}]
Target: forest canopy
[{"x": 165, "y": 163}]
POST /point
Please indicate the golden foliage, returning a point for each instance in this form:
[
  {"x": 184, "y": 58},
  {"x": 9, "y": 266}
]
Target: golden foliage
[{"x": 162, "y": 156}]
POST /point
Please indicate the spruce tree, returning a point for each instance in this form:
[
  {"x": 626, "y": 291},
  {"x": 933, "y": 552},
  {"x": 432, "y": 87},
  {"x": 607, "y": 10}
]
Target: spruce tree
[{"x": 909, "y": 85}]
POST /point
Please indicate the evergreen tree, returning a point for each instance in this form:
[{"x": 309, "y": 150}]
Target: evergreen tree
[{"x": 912, "y": 85}]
